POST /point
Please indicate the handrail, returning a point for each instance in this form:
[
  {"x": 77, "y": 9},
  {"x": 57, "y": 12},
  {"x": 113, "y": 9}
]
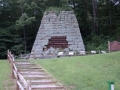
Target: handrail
[
  {"x": 17, "y": 75},
  {"x": 26, "y": 83},
  {"x": 11, "y": 57},
  {"x": 15, "y": 67},
  {"x": 22, "y": 79},
  {"x": 20, "y": 85}
]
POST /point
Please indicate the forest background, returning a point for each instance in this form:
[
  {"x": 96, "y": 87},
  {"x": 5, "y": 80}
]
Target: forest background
[{"x": 99, "y": 22}]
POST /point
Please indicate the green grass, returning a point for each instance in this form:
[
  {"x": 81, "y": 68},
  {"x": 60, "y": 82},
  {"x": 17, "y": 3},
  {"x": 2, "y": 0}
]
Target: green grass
[
  {"x": 90, "y": 72},
  {"x": 5, "y": 75}
]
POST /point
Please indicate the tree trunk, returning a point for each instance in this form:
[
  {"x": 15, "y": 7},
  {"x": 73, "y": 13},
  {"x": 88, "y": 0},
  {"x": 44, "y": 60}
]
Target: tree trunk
[
  {"x": 110, "y": 20},
  {"x": 24, "y": 40},
  {"x": 24, "y": 33},
  {"x": 95, "y": 15}
]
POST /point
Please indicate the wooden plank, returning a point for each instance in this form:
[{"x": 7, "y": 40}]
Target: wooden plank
[
  {"x": 40, "y": 70},
  {"x": 41, "y": 82},
  {"x": 22, "y": 79},
  {"x": 19, "y": 84},
  {"x": 15, "y": 74},
  {"x": 10, "y": 58},
  {"x": 33, "y": 73},
  {"x": 46, "y": 87},
  {"x": 15, "y": 67},
  {"x": 28, "y": 85},
  {"x": 23, "y": 67}
]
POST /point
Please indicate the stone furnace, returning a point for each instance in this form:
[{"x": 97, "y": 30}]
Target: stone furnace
[{"x": 57, "y": 32}]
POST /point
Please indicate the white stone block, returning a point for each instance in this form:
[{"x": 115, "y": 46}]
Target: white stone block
[
  {"x": 103, "y": 52},
  {"x": 60, "y": 53},
  {"x": 71, "y": 53},
  {"x": 82, "y": 52},
  {"x": 93, "y": 52}
]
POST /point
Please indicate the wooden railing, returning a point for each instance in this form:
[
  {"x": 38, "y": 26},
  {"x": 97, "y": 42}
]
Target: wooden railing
[{"x": 21, "y": 83}]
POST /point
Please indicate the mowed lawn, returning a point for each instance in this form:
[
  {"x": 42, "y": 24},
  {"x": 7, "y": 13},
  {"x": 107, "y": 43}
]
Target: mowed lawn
[
  {"x": 5, "y": 78},
  {"x": 90, "y": 72}
]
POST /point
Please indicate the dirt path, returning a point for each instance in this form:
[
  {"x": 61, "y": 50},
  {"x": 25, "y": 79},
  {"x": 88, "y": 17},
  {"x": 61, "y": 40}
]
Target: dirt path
[{"x": 10, "y": 84}]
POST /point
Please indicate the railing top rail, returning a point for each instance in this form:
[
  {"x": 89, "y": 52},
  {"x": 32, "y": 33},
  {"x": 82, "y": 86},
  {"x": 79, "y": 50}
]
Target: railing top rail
[
  {"x": 22, "y": 79},
  {"x": 20, "y": 85},
  {"x": 25, "y": 83},
  {"x": 11, "y": 56},
  {"x": 15, "y": 67},
  {"x": 17, "y": 75}
]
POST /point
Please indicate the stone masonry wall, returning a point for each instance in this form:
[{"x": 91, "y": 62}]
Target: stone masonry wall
[{"x": 65, "y": 24}]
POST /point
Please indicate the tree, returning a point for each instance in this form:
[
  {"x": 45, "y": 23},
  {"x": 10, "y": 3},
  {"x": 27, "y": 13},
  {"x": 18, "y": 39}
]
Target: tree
[
  {"x": 26, "y": 13},
  {"x": 95, "y": 15}
]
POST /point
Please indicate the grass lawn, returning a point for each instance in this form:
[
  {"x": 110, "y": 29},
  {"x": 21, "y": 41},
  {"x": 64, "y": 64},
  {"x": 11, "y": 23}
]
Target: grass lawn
[
  {"x": 6, "y": 83},
  {"x": 90, "y": 72}
]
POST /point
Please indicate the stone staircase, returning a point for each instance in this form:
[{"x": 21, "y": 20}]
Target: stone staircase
[{"x": 38, "y": 77}]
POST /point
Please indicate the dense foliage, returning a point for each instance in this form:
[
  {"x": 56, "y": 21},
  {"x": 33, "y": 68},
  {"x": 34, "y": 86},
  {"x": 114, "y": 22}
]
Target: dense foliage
[{"x": 20, "y": 19}]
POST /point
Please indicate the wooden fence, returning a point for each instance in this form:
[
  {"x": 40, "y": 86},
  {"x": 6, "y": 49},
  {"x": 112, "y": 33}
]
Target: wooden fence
[{"x": 21, "y": 83}]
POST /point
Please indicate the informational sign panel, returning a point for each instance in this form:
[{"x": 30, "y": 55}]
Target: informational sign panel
[
  {"x": 112, "y": 86},
  {"x": 113, "y": 46}
]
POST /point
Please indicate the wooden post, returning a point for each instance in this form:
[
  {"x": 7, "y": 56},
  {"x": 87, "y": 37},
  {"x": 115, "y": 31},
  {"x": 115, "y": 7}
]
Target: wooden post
[
  {"x": 8, "y": 57},
  {"x": 17, "y": 86},
  {"x": 13, "y": 76},
  {"x": 12, "y": 57},
  {"x": 109, "y": 46},
  {"x": 18, "y": 71},
  {"x": 28, "y": 85}
]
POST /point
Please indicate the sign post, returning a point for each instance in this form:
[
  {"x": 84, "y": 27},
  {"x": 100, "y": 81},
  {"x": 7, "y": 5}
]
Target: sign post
[{"x": 110, "y": 85}]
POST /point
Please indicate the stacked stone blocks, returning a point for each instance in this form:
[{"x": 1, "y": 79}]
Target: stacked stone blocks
[{"x": 65, "y": 24}]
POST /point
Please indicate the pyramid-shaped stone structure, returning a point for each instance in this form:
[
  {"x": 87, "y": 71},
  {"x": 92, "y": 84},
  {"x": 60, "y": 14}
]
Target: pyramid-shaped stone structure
[{"x": 65, "y": 26}]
